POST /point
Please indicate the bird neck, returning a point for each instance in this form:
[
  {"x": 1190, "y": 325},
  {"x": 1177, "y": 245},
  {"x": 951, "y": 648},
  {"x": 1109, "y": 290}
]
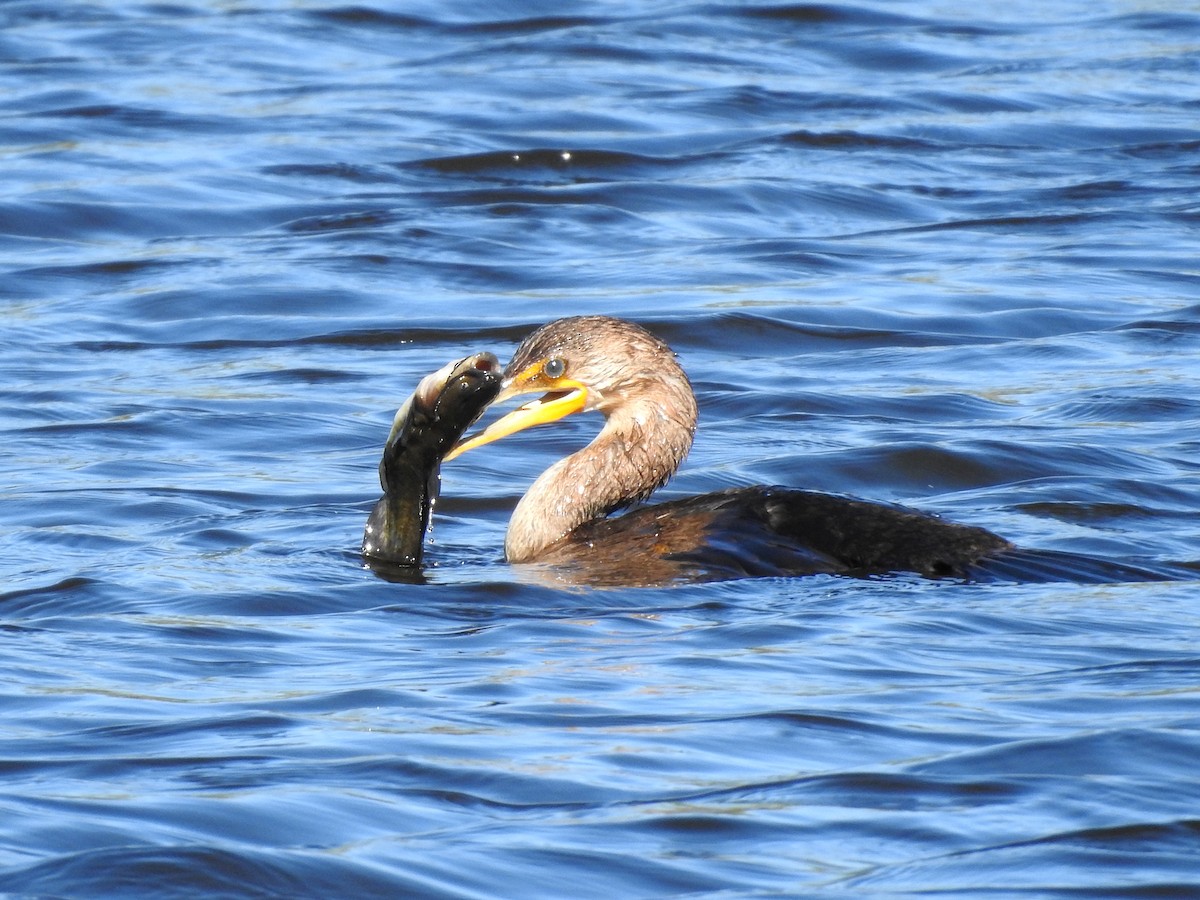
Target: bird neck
[{"x": 635, "y": 453}]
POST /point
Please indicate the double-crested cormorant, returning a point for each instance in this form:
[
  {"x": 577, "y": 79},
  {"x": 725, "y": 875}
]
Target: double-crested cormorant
[{"x": 631, "y": 377}]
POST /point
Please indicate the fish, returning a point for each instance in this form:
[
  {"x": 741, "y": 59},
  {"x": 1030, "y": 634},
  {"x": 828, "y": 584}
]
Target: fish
[{"x": 428, "y": 424}]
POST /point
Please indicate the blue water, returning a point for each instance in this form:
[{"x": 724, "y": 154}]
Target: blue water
[{"x": 932, "y": 253}]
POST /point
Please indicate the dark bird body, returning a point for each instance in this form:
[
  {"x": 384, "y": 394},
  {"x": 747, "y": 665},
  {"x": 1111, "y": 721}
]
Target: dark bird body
[{"x": 768, "y": 531}]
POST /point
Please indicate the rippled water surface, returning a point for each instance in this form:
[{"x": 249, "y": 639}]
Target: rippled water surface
[{"x": 933, "y": 253}]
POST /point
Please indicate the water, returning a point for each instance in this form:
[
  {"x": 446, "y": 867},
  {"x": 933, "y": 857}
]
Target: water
[{"x": 921, "y": 252}]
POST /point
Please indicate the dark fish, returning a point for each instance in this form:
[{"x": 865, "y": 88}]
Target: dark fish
[{"x": 430, "y": 422}]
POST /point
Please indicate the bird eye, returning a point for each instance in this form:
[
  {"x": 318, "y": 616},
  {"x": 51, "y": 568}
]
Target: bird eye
[{"x": 554, "y": 368}]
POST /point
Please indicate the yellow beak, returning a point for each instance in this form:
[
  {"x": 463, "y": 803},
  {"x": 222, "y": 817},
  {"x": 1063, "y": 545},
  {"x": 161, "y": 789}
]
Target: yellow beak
[{"x": 563, "y": 397}]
